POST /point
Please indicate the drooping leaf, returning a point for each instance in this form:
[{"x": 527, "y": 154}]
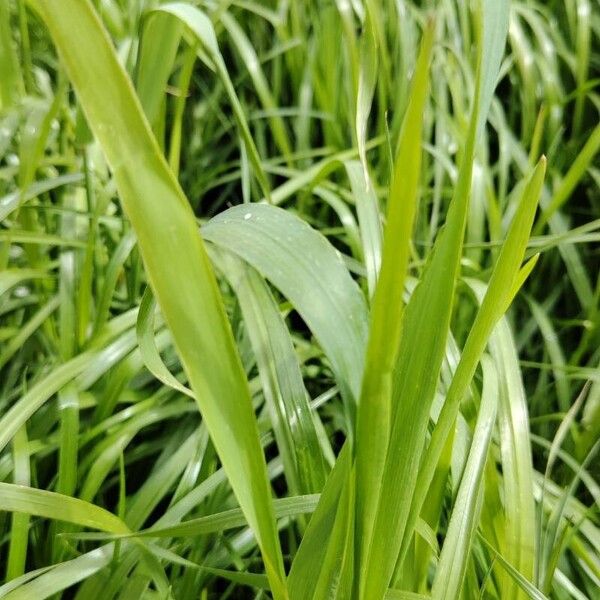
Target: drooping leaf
[{"x": 307, "y": 270}]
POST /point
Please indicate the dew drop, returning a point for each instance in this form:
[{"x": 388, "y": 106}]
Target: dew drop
[{"x": 247, "y": 216}]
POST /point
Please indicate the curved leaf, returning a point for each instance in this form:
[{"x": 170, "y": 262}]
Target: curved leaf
[
  {"x": 41, "y": 503},
  {"x": 306, "y": 269}
]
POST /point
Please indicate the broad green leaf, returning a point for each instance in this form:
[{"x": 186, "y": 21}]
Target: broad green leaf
[
  {"x": 306, "y": 269},
  {"x": 175, "y": 259}
]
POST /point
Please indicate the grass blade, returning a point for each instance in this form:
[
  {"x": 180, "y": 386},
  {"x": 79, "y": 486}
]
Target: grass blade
[
  {"x": 528, "y": 587},
  {"x": 58, "y": 577},
  {"x": 158, "y": 49},
  {"x": 367, "y": 81},
  {"x": 195, "y": 314},
  {"x": 496, "y": 301},
  {"x": 307, "y": 270},
  {"x": 229, "y": 519},
  {"x": 571, "y": 179},
  {"x": 283, "y": 387},
  {"x": 49, "y": 505},
  {"x": 10, "y": 75},
  {"x": 423, "y": 340},
  {"x": 452, "y": 566},
  {"x": 367, "y": 207},
  {"x": 319, "y": 559},
  {"x": 147, "y": 345},
  {"x": 252, "y": 63},
  {"x": 203, "y": 32},
  {"x": 19, "y": 531},
  {"x": 375, "y": 408}
]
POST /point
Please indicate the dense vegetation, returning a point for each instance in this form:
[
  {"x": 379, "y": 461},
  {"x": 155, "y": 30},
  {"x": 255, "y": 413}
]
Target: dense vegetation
[{"x": 299, "y": 299}]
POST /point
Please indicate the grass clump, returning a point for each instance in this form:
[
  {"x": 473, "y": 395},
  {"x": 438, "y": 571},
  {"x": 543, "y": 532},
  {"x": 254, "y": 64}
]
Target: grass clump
[{"x": 299, "y": 299}]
